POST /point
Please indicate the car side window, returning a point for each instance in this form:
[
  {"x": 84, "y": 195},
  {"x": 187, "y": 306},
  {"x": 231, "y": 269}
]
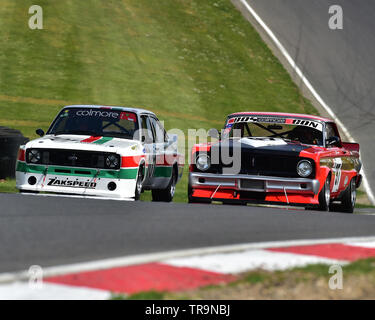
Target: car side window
[
  {"x": 161, "y": 135},
  {"x": 330, "y": 131},
  {"x": 147, "y": 132}
]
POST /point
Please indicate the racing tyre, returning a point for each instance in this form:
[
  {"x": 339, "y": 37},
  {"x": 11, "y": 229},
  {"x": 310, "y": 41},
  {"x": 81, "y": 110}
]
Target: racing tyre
[
  {"x": 138, "y": 185},
  {"x": 166, "y": 195},
  {"x": 10, "y": 140},
  {"x": 325, "y": 196},
  {"x": 349, "y": 198}
]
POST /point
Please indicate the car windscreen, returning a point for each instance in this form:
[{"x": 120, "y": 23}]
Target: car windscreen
[
  {"x": 303, "y": 131},
  {"x": 96, "y": 122}
]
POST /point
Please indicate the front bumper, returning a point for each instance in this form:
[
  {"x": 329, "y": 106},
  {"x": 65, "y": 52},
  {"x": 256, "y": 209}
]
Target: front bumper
[
  {"x": 251, "y": 183},
  {"x": 97, "y": 187}
]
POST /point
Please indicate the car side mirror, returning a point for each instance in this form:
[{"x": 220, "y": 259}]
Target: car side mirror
[
  {"x": 147, "y": 140},
  {"x": 39, "y": 132},
  {"x": 333, "y": 141},
  {"x": 214, "y": 133},
  {"x": 172, "y": 138}
]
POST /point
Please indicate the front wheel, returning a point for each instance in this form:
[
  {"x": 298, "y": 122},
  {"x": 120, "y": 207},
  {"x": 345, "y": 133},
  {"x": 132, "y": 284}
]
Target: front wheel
[
  {"x": 166, "y": 195},
  {"x": 349, "y": 197},
  {"x": 325, "y": 196},
  {"x": 138, "y": 184}
]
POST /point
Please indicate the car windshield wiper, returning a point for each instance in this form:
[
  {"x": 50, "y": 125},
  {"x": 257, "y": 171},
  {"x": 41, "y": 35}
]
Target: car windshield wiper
[{"x": 83, "y": 132}]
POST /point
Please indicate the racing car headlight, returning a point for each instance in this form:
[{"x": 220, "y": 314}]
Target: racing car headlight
[
  {"x": 112, "y": 161},
  {"x": 34, "y": 156},
  {"x": 304, "y": 168},
  {"x": 203, "y": 162}
]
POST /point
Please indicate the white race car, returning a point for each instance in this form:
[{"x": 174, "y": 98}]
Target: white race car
[{"x": 112, "y": 152}]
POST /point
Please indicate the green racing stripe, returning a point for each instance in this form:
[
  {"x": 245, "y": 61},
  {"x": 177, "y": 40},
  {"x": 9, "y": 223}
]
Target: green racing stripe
[
  {"x": 163, "y": 172},
  {"x": 123, "y": 173},
  {"x": 103, "y": 140}
]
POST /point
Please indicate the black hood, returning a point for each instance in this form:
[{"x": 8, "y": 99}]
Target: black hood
[
  {"x": 261, "y": 145},
  {"x": 265, "y": 156}
]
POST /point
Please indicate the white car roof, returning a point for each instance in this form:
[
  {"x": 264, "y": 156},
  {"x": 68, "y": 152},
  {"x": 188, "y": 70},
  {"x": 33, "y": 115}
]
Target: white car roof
[{"x": 135, "y": 110}]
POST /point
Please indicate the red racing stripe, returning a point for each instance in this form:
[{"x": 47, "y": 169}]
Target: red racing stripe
[
  {"x": 333, "y": 251},
  {"x": 91, "y": 139},
  {"x": 131, "y": 161},
  {"x": 145, "y": 277}
]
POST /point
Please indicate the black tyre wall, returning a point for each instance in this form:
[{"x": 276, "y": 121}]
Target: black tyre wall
[{"x": 10, "y": 141}]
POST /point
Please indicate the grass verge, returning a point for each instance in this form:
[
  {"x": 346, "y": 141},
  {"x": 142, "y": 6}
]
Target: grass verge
[{"x": 8, "y": 186}]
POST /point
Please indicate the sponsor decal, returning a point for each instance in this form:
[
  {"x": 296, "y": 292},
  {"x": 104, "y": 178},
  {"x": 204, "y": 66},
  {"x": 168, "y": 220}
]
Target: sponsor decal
[
  {"x": 56, "y": 182},
  {"x": 128, "y": 116},
  {"x": 104, "y": 113},
  {"x": 307, "y": 123},
  {"x": 97, "y": 113},
  {"x": 259, "y": 119},
  {"x": 298, "y": 122},
  {"x": 289, "y": 121}
]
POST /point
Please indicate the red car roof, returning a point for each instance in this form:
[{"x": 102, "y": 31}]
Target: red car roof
[{"x": 281, "y": 114}]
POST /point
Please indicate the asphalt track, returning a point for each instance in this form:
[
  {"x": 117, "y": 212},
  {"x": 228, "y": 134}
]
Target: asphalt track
[
  {"x": 50, "y": 231},
  {"x": 338, "y": 63}
]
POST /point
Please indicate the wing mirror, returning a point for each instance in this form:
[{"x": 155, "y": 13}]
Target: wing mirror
[
  {"x": 39, "y": 132},
  {"x": 146, "y": 140},
  {"x": 214, "y": 133},
  {"x": 333, "y": 141},
  {"x": 172, "y": 138}
]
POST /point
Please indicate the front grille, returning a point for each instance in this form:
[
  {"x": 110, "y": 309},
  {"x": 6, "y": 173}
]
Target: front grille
[
  {"x": 269, "y": 165},
  {"x": 74, "y": 158},
  {"x": 261, "y": 164}
]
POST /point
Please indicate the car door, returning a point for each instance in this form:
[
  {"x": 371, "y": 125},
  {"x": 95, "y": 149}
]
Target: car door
[
  {"x": 163, "y": 166},
  {"x": 340, "y": 161},
  {"x": 148, "y": 141}
]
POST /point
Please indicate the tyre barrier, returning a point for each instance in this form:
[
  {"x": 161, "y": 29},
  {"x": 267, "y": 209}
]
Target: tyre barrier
[{"x": 10, "y": 141}]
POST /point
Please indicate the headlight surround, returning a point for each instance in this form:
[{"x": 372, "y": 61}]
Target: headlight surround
[
  {"x": 34, "y": 156},
  {"x": 203, "y": 162},
  {"x": 304, "y": 168},
  {"x": 112, "y": 161}
]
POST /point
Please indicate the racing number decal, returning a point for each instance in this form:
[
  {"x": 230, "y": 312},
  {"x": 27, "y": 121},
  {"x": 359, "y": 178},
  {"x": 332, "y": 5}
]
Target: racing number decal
[{"x": 337, "y": 166}]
